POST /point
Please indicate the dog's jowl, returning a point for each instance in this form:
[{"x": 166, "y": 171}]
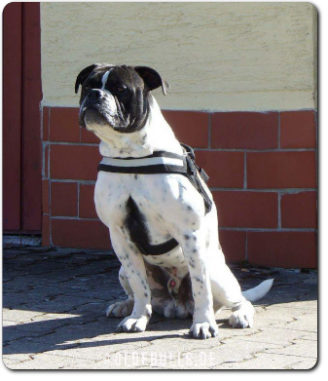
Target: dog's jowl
[{"x": 155, "y": 202}]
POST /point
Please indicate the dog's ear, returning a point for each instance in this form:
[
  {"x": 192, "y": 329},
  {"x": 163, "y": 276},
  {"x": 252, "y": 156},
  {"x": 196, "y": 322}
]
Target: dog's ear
[
  {"x": 83, "y": 76},
  {"x": 152, "y": 79}
]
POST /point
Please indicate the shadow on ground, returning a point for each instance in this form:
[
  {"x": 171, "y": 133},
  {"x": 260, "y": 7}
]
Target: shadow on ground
[{"x": 56, "y": 300}]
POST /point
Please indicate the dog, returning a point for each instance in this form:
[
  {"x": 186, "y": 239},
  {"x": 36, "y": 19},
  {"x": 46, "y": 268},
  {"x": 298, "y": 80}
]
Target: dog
[{"x": 162, "y": 221}]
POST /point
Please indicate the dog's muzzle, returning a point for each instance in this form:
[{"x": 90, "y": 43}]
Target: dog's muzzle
[{"x": 97, "y": 104}]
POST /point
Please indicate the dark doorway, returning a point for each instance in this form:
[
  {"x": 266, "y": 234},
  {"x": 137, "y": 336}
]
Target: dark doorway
[{"x": 22, "y": 198}]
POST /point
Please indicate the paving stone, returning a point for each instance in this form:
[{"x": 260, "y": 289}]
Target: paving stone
[
  {"x": 267, "y": 361},
  {"x": 19, "y": 316},
  {"x": 33, "y": 346},
  {"x": 99, "y": 349},
  {"x": 304, "y": 364},
  {"x": 54, "y": 318},
  {"x": 46, "y": 361},
  {"x": 300, "y": 348}
]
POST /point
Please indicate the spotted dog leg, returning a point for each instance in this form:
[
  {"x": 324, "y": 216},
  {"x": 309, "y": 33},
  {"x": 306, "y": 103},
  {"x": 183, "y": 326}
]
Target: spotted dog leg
[
  {"x": 123, "y": 308},
  {"x": 134, "y": 266},
  {"x": 194, "y": 248},
  {"x": 226, "y": 291}
]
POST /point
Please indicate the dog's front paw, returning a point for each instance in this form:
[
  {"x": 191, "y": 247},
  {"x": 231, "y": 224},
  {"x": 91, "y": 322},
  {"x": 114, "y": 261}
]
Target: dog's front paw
[
  {"x": 204, "y": 330},
  {"x": 243, "y": 317},
  {"x": 120, "y": 309},
  {"x": 130, "y": 324}
]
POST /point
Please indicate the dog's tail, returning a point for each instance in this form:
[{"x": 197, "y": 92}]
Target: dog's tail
[{"x": 259, "y": 291}]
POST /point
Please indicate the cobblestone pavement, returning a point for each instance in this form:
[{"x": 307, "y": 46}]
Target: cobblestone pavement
[{"x": 54, "y": 318}]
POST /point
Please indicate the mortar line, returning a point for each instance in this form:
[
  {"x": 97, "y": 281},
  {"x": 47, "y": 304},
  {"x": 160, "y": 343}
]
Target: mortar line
[
  {"x": 255, "y": 150},
  {"x": 245, "y": 170},
  {"x": 264, "y": 190},
  {"x": 50, "y": 203},
  {"x": 279, "y": 130},
  {"x": 43, "y": 161},
  {"x": 74, "y": 144},
  {"x": 209, "y": 132},
  {"x": 279, "y": 210},
  {"x": 78, "y": 200},
  {"x": 246, "y": 246},
  {"x": 269, "y": 230},
  {"x": 74, "y": 218},
  {"x": 72, "y": 181}
]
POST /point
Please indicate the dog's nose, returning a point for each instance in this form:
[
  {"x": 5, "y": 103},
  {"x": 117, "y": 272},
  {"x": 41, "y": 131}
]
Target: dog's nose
[{"x": 95, "y": 94}]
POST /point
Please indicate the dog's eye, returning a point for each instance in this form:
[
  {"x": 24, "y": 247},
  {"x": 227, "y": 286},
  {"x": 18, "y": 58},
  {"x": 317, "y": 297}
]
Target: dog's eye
[
  {"x": 87, "y": 88},
  {"x": 120, "y": 89}
]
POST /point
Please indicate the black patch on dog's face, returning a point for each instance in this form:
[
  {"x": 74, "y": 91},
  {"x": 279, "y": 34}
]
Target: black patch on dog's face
[{"x": 116, "y": 96}]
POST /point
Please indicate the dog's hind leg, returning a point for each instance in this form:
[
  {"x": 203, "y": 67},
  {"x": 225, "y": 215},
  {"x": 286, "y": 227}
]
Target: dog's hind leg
[
  {"x": 123, "y": 308},
  {"x": 227, "y": 292},
  {"x": 161, "y": 301},
  {"x": 177, "y": 306}
]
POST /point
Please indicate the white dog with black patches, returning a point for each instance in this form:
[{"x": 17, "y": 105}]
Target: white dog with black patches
[{"x": 159, "y": 211}]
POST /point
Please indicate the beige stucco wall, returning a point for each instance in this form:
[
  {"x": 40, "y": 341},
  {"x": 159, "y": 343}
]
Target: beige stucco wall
[{"x": 216, "y": 56}]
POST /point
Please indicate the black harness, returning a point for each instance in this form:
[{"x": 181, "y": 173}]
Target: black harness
[{"x": 162, "y": 162}]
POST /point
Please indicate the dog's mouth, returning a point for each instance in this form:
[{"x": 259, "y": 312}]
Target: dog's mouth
[{"x": 93, "y": 115}]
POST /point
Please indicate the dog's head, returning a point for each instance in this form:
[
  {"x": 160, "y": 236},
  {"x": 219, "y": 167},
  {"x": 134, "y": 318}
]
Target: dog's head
[{"x": 116, "y": 97}]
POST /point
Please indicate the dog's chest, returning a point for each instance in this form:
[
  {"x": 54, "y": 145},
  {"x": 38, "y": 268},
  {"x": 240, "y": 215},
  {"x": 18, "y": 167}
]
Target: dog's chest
[
  {"x": 113, "y": 191},
  {"x": 151, "y": 195}
]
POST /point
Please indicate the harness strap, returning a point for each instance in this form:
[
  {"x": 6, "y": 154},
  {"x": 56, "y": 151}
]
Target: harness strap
[
  {"x": 162, "y": 162},
  {"x": 158, "y": 162},
  {"x": 192, "y": 174},
  {"x": 146, "y": 248}
]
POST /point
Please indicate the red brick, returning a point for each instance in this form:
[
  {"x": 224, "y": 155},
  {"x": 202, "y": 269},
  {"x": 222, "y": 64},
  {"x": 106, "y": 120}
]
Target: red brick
[
  {"x": 244, "y": 130},
  {"x": 247, "y": 209},
  {"x": 80, "y": 233},
  {"x": 74, "y": 162},
  {"x": 45, "y": 230},
  {"x": 282, "y": 249},
  {"x": 297, "y": 129},
  {"x": 45, "y": 196},
  {"x": 190, "y": 127},
  {"x": 64, "y": 199},
  {"x": 299, "y": 210},
  {"x": 87, "y": 205},
  {"x": 64, "y": 125},
  {"x": 45, "y": 123},
  {"x": 233, "y": 245},
  {"x": 281, "y": 170},
  {"x": 88, "y": 136},
  {"x": 46, "y": 161},
  {"x": 226, "y": 169}
]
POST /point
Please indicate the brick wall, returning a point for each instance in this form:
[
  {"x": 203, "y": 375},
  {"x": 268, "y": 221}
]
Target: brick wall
[{"x": 262, "y": 169}]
